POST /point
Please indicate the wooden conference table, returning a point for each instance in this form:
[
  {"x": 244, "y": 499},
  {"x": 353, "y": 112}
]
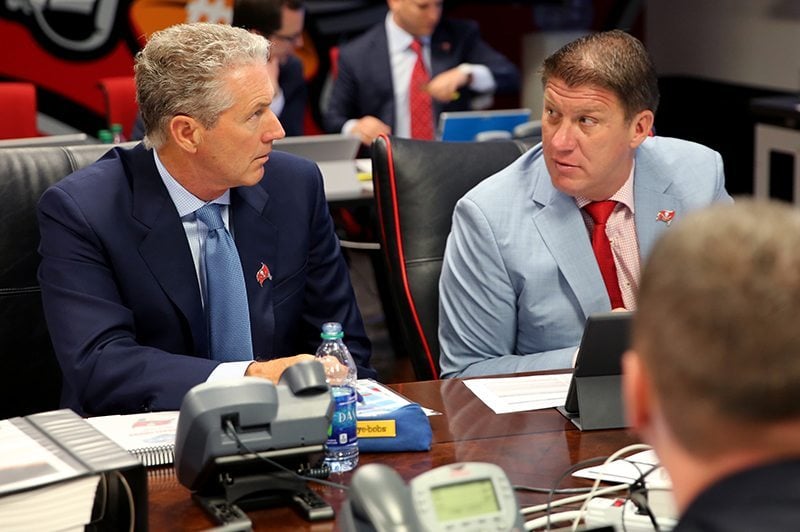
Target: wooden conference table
[{"x": 534, "y": 448}]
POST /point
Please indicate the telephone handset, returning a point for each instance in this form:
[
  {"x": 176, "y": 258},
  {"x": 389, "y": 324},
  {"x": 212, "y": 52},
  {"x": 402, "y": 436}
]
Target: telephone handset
[{"x": 462, "y": 496}]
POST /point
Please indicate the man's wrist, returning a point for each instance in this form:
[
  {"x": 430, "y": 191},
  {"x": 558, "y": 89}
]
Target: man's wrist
[{"x": 466, "y": 69}]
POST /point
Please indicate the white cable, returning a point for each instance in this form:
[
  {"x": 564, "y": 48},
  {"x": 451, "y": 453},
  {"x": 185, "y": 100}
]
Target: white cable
[
  {"x": 569, "y": 500},
  {"x": 539, "y": 522},
  {"x": 595, "y": 492},
  {"x": 131, "y": 505}
]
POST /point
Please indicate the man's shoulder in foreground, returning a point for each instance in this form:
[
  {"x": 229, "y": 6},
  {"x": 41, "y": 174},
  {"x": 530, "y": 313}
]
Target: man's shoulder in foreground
[{"x": 766, "y": 497}]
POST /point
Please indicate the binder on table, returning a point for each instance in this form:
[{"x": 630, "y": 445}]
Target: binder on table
[
  {"x": 150, "y": 436},
  {"x": 57, "y": 471}
]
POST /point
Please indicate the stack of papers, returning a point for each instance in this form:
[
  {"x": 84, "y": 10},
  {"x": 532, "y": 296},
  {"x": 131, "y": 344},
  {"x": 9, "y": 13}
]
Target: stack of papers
[
  {"x": 38, "y": 489},
  {"x": 150, "y": 436}
]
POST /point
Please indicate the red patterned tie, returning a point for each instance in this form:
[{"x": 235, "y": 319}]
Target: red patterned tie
[
  {"x": 420, "y": 106},
  {"x": 600, "y": 211}
]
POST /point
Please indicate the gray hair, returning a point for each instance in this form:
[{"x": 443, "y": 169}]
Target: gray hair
[
  {"x": 612, "y": 60},
  {"x": 180, "y": 71}
]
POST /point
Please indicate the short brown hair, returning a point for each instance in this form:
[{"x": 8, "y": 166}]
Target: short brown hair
[
  {"x": 612, "y": 60},
  {"x": 717, "y": 324}
]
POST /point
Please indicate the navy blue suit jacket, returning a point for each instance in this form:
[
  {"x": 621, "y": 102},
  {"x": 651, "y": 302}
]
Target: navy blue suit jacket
[
  {"x": 122, "y": 299},
  {"x": 364, "y": 86},
  {"x": 295, "y": 92}
]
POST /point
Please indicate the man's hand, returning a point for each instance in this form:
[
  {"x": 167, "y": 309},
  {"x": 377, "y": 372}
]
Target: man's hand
[
  {"x": 334, "y": 371},
  {"x": 445, "y": 86},
  {"x": 368, "y": 128},
  {"x": 273, "y": 369}
]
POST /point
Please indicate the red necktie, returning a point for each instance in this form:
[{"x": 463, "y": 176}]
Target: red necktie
[
  {"x": 420, "y": 106},
  {"x": 600, "y": 211}
]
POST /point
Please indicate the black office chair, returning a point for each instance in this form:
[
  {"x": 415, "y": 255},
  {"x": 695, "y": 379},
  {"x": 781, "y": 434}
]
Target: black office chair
[
  {"x": 30, "y": 380},
  {"x": 417, "y": 184}
]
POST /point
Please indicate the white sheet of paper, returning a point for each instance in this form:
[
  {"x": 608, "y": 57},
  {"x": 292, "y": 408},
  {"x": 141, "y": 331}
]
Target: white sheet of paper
[
  {"x": 518, "y": 394},
  {"x": 628, "y": 470}
]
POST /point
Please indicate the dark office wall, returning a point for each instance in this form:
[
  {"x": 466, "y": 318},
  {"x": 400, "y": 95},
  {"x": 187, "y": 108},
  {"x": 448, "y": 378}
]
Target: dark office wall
[
  {"x": 716, "y": 114},
  {"x": 714, "y": 57}
]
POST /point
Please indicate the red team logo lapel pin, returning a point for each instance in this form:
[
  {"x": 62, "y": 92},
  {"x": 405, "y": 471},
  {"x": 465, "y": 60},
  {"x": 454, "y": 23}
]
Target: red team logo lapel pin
[
  {"x": 263, "y": 274},
  {"x": 665, "y": 216}
]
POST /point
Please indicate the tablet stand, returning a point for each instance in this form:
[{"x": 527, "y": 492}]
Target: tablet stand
[{"x": 599, "y": 403}]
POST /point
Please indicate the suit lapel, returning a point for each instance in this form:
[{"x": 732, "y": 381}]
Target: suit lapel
[
  {"x": 563, "y": 231},
  {"x": 651, "y": 196},
  {"x": 441, "y": 60},
  {"x": 164, "y": 247},
  {"x": 441, "y": 51},
  {"x": 257, "y": 242},
  {"x": 382, "y": 70}
]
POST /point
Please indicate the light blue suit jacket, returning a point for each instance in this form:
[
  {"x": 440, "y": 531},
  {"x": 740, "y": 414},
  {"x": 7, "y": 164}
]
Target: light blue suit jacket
[{"x": 519, "y": 277}]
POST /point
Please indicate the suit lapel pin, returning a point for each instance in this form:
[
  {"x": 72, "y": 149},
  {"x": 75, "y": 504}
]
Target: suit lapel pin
[
  {"x": 446, "y": 46},
  {"x": 665, "y": 216},
  {"x": 263, "y": 274}
]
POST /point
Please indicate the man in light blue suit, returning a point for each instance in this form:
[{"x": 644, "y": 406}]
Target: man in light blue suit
[{"x": 520, "y": 276}]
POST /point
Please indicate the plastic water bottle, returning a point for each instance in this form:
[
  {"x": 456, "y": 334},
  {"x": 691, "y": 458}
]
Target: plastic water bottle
[
  {"x": 342, "y": 444},
  {"x": 105, "y": 136},
  {"x": 116, "y": 134}
]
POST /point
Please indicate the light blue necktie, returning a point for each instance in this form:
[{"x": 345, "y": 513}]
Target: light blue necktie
[{"x": 226, "y": 297}]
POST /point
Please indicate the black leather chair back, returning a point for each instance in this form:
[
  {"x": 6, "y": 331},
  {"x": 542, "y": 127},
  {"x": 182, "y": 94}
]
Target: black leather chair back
[
  {"x": 30, "y": 378},
  {"x": 417, "y": 184}
]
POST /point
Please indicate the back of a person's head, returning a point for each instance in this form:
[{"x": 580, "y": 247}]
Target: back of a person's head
[
  {"x": 612, "y": 60},
  {"x": 181, "y": 70},
  {"x": 717, "y": 323},
  {"x": 263, "y": 16}
]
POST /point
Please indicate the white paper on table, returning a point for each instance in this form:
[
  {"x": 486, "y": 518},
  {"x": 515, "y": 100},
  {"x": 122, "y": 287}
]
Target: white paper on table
[
  {"x": 630, "y": 469},
  {"x": 518, "y": 394}
]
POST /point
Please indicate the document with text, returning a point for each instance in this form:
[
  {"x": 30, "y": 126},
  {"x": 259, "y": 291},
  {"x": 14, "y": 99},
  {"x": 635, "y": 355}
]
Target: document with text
[{"x": 518, "y": 394}]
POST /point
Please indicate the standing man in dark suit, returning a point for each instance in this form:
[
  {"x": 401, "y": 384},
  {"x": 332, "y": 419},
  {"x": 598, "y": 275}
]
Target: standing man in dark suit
[
  {"x": 124, "y": 275},
  {"x": 370, "y": 95}
]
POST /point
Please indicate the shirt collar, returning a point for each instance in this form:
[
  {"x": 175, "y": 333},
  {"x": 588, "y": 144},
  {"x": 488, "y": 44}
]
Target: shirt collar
[
  {"x": 184, "y": 201},
  {"x": 624, "y": 195},
  {"x": 400, "y": 40}
]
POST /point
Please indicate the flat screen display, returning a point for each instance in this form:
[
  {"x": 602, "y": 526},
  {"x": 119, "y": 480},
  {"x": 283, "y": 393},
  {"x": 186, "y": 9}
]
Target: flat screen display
[{"x": 466, "y": 125}]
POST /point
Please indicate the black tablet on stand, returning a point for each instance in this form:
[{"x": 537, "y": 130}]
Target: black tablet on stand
[{"x": 594, "y": 399}]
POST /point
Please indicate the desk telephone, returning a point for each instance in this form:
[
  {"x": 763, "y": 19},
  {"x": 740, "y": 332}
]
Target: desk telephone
[{"x": 464, "y": 496}]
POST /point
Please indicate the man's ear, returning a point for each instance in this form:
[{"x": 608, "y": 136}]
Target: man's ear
[
  {"x": 637, "y": 392},
  {"x": 186, "y": 132},
  {"x": 641, "y": 126}
]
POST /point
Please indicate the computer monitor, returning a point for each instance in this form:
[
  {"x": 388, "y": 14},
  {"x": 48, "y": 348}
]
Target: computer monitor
[
  {"x": 594, "y": 398},
  {"x": 320, "y": 148},
  {"x": 465, "y": 126}
]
